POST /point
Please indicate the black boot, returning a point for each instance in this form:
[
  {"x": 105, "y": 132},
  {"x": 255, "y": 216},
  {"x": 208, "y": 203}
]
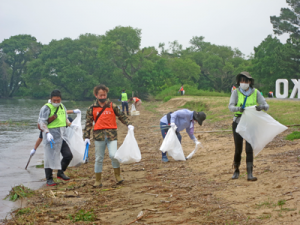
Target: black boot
[
  {"x": 249, "y": 172},
  {"x": 61, "y": 175},
  {"x": 236, "y": 171},
  {"x": 49, "y": 177}
]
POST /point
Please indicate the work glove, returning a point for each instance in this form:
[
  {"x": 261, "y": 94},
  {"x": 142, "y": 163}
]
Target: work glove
[
  {"x": 76, "y": 111},
  {"x": 49, "y": 137},
  {"x": 259, "y": 107},
  {"x": 87, "y": 141},
  {"x": 196, "y": 141},
  {"x": 74, "y": 126},
  {"x": 130, "y": 127},
  {"x": 32, "y": 152},
  {"x": 241, "y": 109},
  {"x": 173, "y": 125}
]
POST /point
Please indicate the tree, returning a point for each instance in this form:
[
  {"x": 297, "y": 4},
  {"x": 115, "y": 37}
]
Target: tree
[
  {"x": 289, "y": 20},
  {"x": 17, "y": 52}
]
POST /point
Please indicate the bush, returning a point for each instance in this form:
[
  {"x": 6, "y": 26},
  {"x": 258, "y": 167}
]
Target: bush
[{"x": 167, "y": 98}]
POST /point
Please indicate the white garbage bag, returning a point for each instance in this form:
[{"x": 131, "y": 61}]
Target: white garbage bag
[
  {"x": 74, "y": 139},
  {"x": 133, "y": 111},
  {"x": 258, "y": 128},
  {"x": 129, "y": 151},
  {"x": 194, "y": 151},
  {"x": 172, "y": 145}
]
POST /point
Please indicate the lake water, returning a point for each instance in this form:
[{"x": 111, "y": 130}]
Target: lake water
[{"x": 17, "y": 137}]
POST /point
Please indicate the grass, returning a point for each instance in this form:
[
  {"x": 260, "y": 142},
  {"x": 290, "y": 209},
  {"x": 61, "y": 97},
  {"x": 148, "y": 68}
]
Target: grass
[
  {"x": 19, "y": 192},
  {"x": 262, "y": 217},
  {"x": 23, "y": 211},
  {"x": 189, "y": 91},
  {"x": 13, "y": 123},
  {"x": 83, "y": 215},
  {"x": 293, "y": 136},
  {"x": 267, "y": 204}
]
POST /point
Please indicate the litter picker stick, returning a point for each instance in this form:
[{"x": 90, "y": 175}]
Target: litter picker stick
[{"x": 28, "y": 162}]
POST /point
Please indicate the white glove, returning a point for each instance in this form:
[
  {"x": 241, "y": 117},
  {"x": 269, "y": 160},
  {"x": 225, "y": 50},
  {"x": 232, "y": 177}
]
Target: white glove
[
  {"x": 74, "y": 126},
  {"x": 130, "y": 127},
  {"x": 173, "y": 125},
  {"x": 49, "y": 137},
  {"x": 76, "y": 111},
  {"x": 196, "y": 141},
  {"x": 32, "y": 152},
  {"x": 87, "y": 141}
]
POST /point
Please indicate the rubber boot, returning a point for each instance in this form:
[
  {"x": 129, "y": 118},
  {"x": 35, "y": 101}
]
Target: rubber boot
[
  {"x": 250, "y": 177},
  {"x": 236, "y": 173},
  {"x": 98, "y": 182},
  {"x": 164, "y": 157},
  {"x": 118, "y": 175},
  {"x": 49, "y": 177},
  {"x": 62, "y": 176},
  {"x": 128, "y": 113}
]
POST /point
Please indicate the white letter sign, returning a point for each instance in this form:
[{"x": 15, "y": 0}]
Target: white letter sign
[
  {"x": 296, "y": 88},
  {"x": 285, "y": 88}
]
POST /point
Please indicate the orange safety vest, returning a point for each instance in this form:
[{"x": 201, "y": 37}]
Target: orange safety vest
[
  {"x": 136, "y": 99},
  {"x": 181, "y": 89},
  {"x": 107, "y": 120}
]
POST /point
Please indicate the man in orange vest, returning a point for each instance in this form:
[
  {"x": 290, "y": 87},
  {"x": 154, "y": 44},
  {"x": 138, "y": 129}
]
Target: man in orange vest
[
  {"x": 136, "y": 101},
  {"x": 181, "y": 89},
  {"x": 103, "y": 113}
]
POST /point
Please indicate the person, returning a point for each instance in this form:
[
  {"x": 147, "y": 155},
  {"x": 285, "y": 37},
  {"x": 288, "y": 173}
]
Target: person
[
  {"x": 233, "y": 88},
  {"x": 270, "y": 94},
  {"x": 136, "y": 101},
  {"x": 181, "y": 89},
  {"x": 182, "y": 119},
  {"x": 103, "y": 113},
  {"x": 40, "y": 138},
  {"x": 245, "y": 83},
  {"x": 53, "y": 133},
  {"x": 124, "y": 99}
]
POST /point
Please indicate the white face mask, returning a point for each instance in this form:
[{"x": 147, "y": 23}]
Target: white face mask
[
  {"x": 55, "y": 104},
  {"x": 244, "y": 86}
]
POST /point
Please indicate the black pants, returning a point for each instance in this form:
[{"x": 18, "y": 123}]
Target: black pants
[
  {"x": 125, "y": 105},
  {"x": 67, "y": 157},
  {"x": 238, "y": 142}
]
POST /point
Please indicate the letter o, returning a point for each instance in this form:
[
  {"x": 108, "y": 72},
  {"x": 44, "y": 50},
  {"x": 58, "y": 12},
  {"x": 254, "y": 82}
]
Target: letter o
[{"x": 285, "y": 88}]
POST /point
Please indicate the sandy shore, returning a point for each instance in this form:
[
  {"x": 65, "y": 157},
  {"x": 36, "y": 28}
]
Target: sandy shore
[{"x": 198, "y": 191}]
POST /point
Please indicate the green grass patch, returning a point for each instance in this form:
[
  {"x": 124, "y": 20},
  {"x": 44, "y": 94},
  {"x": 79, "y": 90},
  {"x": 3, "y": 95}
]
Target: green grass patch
[
  {"x": 189, "y": 91},
  {"x": 168, "y": 98},
  {"x": 196, "y": 106},
  {"x": 23, "y": 211},
  {"x": 267, "y": 204},
  {"x": 83, "y": 215},
  {"x": 19, "y": 192},
  {"x": 293, "y": 136},
  {"x": 263, "y": 217}
]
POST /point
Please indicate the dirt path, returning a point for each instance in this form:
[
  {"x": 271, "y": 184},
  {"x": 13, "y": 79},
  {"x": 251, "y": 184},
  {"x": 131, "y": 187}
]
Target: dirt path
[{"x": 198, "y": 191}]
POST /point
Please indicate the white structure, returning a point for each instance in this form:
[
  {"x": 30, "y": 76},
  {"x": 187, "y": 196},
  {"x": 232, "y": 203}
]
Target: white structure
[{"x": 285, "y": 83}]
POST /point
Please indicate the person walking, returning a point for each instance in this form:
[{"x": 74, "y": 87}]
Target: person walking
[
  {"x": 181, "y": 90},
  {"x": 103, "y": 114},
  {"x": 53, "y": 121},
  {"x": 124, "y": 99},
  {"x": 254, "y": 98},
  {"x": 182, "y": 119}
]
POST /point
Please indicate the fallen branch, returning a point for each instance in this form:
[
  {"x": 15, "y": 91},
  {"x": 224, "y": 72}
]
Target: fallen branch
[
  {"x": 293, "y": 125},
  {"x": 140, "y": 217}
]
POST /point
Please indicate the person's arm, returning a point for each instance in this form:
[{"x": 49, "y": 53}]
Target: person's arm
[
  {"x": 262, "y": 102},
  {"x": 88, "y": 123},
  {"x": 43, "y": 118},
  {"x": 37, "y": 143},
  {"x": 233, "y": 101},
  {"x": 121, "y": 116},
  {"x": 191, "y": 134}
]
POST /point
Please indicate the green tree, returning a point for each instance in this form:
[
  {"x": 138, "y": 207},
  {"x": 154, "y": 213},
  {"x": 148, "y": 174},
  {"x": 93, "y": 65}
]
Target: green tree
[{"x": 16, "y": 53}]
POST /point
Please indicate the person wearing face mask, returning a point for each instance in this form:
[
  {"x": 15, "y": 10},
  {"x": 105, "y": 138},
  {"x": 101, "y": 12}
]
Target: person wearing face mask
[
  {"x": 254, "y": 98},
  {"x": 53, "y": 137},
  {"x": 182, "y": 119},
  {"x": 103, "y": 114}
]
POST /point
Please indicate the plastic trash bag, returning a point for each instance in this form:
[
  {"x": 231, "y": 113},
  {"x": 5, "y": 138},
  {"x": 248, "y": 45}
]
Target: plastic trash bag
[
  {"x": 129, "y": 151},
  {"x": 133, "y": 111},
  {"x": 172, "y": 145},
  {"x": 258, "y": 128},
  {"x": 194, "y": 151},
  {"x": 74, "y": 139}
]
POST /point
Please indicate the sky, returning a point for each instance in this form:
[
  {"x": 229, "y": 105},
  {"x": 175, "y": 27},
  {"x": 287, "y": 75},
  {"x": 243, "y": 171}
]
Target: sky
[{"x": 241, "y": 24}]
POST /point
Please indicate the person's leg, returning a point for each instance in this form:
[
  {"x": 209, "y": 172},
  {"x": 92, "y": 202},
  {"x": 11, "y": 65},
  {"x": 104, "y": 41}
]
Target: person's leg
[
  {"x": 49, "y": 177},
  {"x": 138, "y": 105},
  {"x": 238, "y": 143},
  {"x": 123, "y": 105},
  {"x": 181, "y": 92},
  {"x": 249, "y": 162},
  {"x": 67, "y": 157},
  {"x": 164, "y": 132},
  {"x": 179, "y": 136},
  {"x": 99, "y": 156},
  {"x": 126, "y": 105},
  {"x": 112, "y": 150}
]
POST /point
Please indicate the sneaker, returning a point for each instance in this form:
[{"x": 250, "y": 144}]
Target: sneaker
[
  {"x": 50, "y": 182},
  {"x": 165, "y": 159},
  {"x": 62, "y": 176}
]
